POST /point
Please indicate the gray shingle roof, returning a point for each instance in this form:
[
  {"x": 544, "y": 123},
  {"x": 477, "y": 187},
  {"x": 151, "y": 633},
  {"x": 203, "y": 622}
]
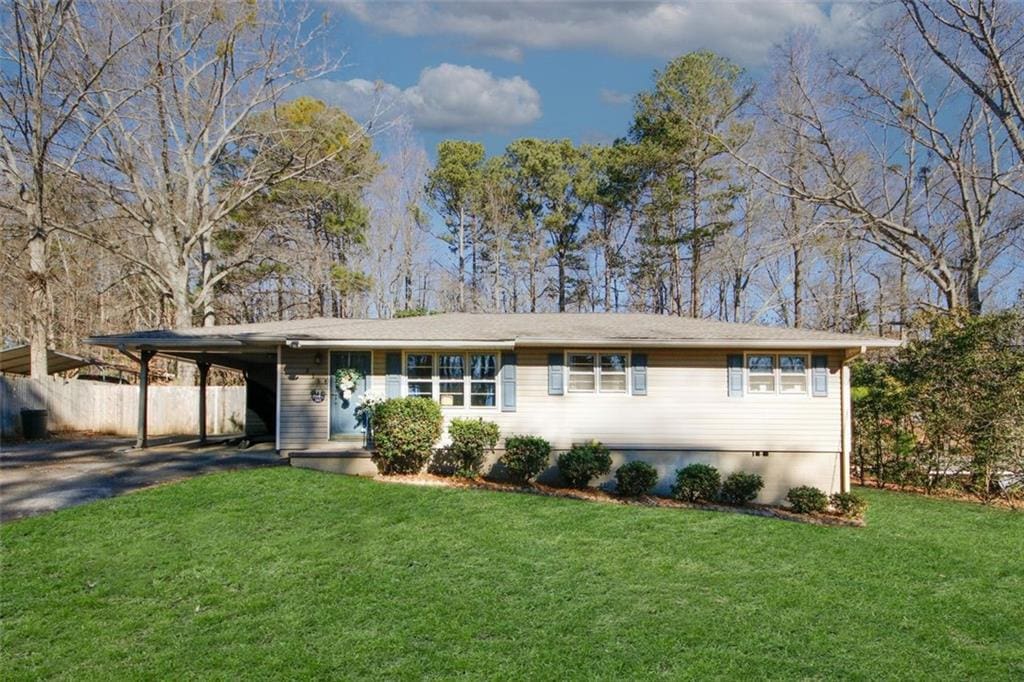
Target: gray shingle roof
[{"x": 518, "y": 329}]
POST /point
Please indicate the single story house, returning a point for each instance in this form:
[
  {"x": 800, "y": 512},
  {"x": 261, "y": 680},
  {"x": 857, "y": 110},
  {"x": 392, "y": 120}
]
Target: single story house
[{"x": 668, "y": 390}]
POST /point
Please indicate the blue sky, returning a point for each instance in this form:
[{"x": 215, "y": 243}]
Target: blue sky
[{"x": 497, "y": 71}]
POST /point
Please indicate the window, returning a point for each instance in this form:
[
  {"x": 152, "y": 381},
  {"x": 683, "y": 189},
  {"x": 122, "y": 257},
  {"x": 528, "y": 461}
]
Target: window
[
  {"x": 581, "y": 372},
  {"x": 483, "y": 391},
  {"x": 461, "y": 379},
  {"x": 793, "y": 373},
  {"x": 600, "y": 372},
  {"x": 419, "y": 371},
  {"x": 786, "y": 374},
  {"x": 761, "y": 373},
  {"x": 613, "y": 373},
  {"x": 451, "y": 374}
]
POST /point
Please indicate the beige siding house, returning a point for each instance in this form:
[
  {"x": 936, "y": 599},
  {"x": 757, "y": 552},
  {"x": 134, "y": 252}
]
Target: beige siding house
[{"x": 667, "y": 390}]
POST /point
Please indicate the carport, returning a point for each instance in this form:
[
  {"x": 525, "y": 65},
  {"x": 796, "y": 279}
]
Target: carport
[
  {"x": 18, "y": 360},
  {"x": 256, "y": 359}
]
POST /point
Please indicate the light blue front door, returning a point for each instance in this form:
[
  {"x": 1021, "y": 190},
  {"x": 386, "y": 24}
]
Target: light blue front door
[{"x": 343, "y": 418}]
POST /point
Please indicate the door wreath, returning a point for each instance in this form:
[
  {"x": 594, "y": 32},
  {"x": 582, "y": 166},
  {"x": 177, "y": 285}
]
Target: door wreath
[{"x": 345, "y": 381}]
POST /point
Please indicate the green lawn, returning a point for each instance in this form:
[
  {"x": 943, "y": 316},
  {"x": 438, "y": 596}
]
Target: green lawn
[{"x": 283, "y": 572}]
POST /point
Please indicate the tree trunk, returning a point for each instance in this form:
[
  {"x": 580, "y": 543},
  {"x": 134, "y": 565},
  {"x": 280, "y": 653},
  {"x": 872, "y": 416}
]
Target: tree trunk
[
  {"x": 474, "y": 284},
  {"x": 695, "y": 246},
  {"x": 186, "y": 374},
  {"x": 973, "y": 267},
  {"x": 561, "y": 283},
  {"x": 39, "y": 327},
  {"x": 462, "y": 260},
  {"x": 737, "y": 295},
  {"x": 798, "y": 260},
  {"x": 695, "y": 281},
  {"x": 209, "y": 315}
]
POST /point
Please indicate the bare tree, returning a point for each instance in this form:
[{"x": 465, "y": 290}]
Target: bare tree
[
  {"x": 207, "y": 71},
  {"x": 397, "y": 232},
  {"x": 50, "y": 67},
  {"x": 862, "y": 124},
  {"x": 979, "y": 41}
]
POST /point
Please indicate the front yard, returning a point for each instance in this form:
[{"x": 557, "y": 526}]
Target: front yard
[{"x": 291, "y": 573}]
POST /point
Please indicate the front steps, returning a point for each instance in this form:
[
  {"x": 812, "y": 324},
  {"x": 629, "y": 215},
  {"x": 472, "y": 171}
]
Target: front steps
[{"x": 353, "y": 462}]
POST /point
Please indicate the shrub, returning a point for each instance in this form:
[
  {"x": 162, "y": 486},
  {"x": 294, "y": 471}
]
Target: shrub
[
  {"x": 471, "y": 440},
  {"x": 740, "y": 487},
  {"x": 696, "y": 483},
  {"x": 849, "y": 504},
  {"x": 806, "y": 499},
  {"x": 583, "y": 462},
  {"x": 634, "y": 479},
  {"x": 525, "y": 457},
  {"x": 405, "y": 431}
]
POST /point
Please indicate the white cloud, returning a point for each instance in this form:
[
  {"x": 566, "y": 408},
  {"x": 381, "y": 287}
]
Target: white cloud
[
  {"x": 446, "y": 98},
  {"x": 744, "y": 30},
  {"x": 614, "y": 97}
]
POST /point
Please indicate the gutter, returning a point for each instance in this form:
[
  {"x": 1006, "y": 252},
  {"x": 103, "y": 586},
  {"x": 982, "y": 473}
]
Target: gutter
[
  {"x": 399, "y": 344},
  {"x": 229, "y": 344},
  {"x": 781, "y": 344}
]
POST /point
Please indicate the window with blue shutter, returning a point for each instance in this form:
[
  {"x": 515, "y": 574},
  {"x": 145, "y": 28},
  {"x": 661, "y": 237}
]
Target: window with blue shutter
[
  {"x": 508, "y": 382},
  {"x": 819, "y": 376},
  {"x": 393, "y": 380},
  {"x": 556, "y": 374},
  {"x": 735, "y": 375},
  {"x": 639, "y": 373}
]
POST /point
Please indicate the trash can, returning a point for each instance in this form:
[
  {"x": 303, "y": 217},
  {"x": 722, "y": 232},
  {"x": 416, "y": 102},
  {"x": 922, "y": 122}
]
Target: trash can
[{"x": 33, "y": 423}]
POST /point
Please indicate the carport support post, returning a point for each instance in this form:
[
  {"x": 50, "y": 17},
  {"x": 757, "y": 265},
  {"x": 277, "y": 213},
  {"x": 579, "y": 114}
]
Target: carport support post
[
  {"x": 142, "y": 440},
  {"x": 204, "y": 373}
]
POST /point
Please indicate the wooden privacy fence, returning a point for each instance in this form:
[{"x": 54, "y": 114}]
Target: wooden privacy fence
[{"x": 113, "y": 408}]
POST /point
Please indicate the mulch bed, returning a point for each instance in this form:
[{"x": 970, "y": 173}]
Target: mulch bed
[{"x": 598, "y": 495}]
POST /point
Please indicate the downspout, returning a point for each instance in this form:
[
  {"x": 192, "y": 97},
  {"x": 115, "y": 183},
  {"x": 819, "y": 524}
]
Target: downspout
[{"x": 846, "y": 417}]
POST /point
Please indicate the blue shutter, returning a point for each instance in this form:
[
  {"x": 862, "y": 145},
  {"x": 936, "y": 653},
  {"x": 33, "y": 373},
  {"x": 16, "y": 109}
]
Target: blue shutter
[
  {"x": 508, "y": 382},
  {"x": 639, "y": 373},
  {"x": 556, "y": 379},
  {"x": 735, "y": 365},
  {"x": 819, "y": 376},
  {"x": 393, "y": 381}
]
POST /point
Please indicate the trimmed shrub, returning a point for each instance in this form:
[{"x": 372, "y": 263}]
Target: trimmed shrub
[
  {"x": 583, "y": 462},
  {"x": 404, "y": 433},
  {"x": 740, "y": 488},
  {"x": 849, "y": 504},
  {"x": 471, "y": 440},
  {"x": 636, "y": 478},
  {"x": 525, "y": 457},
  {"x": 696, "y": 483},
  {"x": 807, "y": 499}
]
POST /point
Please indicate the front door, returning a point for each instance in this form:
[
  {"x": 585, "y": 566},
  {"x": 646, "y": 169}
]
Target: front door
[{"x": 355, "y": 367}]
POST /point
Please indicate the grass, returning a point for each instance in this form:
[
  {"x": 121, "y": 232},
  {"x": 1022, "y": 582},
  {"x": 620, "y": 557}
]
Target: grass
[{"x": 291, "y": 573}]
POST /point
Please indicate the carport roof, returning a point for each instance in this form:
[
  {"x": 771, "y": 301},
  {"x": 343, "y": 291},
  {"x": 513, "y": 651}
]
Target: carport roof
[
  {"x": 17, "y": 360},
  {"x": 494, "y": 330}
]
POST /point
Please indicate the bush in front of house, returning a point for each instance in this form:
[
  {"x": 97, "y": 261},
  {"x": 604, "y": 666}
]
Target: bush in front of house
[
  {"x": 849, "y": 504},
  {"x": 741, "y": 488},
  {"x": 472, "y": 439},
  {"x": 697, "y": 483},
  {"x": 525, "y": 457},
  {"x": 404, "y": 433},
  {"x": 583, "y": 462},
  {"x": 806, "y": 499},
  {"x": 636, "y": 478}
]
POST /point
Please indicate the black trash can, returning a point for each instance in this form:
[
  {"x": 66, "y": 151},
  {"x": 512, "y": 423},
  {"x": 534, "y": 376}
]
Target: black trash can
[{"x": 33, "y": 423}]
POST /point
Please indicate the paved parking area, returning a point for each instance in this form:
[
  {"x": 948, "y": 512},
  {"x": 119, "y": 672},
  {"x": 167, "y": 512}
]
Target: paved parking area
[{"x": 42, "y": 476}]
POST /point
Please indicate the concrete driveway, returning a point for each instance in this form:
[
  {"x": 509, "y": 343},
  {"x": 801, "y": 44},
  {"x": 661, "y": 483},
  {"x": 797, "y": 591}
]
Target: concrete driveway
[{"x": 40, "y": 476}]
